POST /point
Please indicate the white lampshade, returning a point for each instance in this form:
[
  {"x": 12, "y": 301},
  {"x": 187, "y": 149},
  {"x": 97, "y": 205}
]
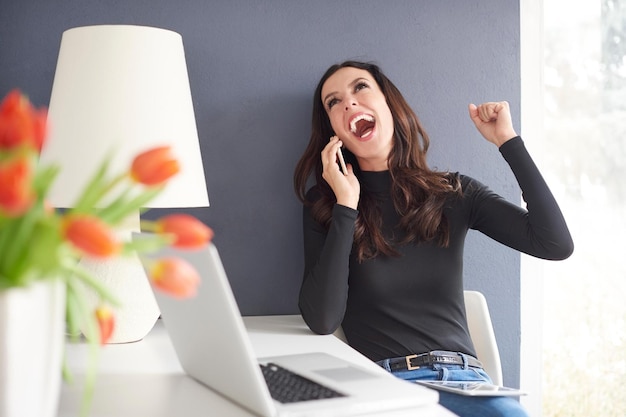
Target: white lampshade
[
  {"x": 119, "y": 90},
  {"x": 122, "y": 89}
]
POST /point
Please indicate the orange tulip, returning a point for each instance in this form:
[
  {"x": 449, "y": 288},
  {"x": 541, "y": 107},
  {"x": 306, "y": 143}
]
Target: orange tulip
[
  {"x": 106, "y": 323},
  {"x": 154, "y": 166},
  {"x": 20, "y": 123},
  {"x": 189, "y": 232},
  {"x": 175, "y": 277},
  {"x": 91, "y": 235},
  {"x": 16, "y": 192}
]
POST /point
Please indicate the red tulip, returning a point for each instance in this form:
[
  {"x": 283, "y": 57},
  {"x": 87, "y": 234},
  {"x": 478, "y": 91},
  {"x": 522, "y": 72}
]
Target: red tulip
[
  {"x": 106, "y": 323},
  {"x": 40, "y": 128},
  {"x": 155, "y": 166},
  {"x": 91, "y": 235},
  {"x": 20, "y": 123},
  {"x": 16, "y": 192},
  {"x": 175, "y": 277},
  {"x": 189, "y": 232}
]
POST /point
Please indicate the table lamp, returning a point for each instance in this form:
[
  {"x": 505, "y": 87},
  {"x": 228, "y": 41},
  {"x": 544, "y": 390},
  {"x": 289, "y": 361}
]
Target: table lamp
[{"x": 123, "y": 89}]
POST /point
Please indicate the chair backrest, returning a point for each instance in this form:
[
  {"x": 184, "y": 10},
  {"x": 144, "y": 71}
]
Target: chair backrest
[{"x": 481, "y": 332}]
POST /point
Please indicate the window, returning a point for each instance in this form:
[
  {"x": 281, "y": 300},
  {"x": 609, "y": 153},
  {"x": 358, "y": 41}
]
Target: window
[{"x": 582, "y": 154}]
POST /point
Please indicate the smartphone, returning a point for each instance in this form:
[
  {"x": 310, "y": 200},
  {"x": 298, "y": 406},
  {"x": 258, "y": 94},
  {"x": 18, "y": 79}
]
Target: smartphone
[{"x": 342, "y": 162}]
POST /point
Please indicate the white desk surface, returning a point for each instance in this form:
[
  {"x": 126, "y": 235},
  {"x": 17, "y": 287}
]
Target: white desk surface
[{"x": 145, "y": 378}]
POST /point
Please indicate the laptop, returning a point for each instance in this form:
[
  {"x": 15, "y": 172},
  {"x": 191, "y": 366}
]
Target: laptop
[{"x": 213, "y": 347}]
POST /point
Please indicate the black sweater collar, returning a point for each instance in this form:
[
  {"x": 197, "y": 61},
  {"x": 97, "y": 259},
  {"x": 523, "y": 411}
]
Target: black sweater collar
[{"x": 376, "y": 181}]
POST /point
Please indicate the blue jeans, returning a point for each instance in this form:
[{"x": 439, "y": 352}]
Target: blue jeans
[{"x": 463, "y": 406}]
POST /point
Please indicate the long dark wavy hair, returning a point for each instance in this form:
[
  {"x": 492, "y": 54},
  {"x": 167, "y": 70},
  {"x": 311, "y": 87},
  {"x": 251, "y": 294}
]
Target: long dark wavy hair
[{"x": 419, "y": 193}]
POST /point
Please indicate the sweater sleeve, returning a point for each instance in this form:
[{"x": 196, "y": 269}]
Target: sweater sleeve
[
  {"x": 324, "y": 289},
  {"x": 539, "y": 230}
]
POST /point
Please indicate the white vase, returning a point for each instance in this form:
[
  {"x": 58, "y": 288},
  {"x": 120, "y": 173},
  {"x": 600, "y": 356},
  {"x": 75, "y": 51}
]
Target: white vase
[{"x": 32, "y": 329}]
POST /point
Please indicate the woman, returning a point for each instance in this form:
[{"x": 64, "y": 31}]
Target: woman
[{"x": 384, "y": 240}]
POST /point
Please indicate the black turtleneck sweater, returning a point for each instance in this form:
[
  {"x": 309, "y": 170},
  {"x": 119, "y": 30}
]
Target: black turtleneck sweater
[{"x": 396, "y": 306}]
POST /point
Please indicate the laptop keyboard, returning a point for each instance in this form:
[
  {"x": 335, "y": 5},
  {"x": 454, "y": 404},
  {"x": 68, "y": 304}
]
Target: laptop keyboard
[{"x": 288, "y": 387}]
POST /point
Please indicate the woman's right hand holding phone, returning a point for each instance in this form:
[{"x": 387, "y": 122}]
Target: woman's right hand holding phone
[{"x": 345, "y": 185}]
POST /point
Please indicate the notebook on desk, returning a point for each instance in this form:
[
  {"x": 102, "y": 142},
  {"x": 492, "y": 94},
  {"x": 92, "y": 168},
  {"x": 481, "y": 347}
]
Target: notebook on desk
[{"x": 213, "y": 347}]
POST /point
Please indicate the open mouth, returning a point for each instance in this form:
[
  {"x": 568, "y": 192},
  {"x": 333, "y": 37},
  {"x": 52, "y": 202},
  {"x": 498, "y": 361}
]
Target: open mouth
[{"x": 362, "y": 125}]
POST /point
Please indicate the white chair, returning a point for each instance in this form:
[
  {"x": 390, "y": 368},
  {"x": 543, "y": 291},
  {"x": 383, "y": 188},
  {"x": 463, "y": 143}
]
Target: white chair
[{"x": 481, "y": 332}]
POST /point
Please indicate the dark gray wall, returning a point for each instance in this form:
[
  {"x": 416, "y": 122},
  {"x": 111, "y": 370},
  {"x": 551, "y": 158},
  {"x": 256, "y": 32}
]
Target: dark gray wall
[{"x": 253, "y": 66}]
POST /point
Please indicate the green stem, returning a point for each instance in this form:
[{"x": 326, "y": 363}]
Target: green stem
[
  {"x": 122, "y": 207},
  {"x": 148, "y": 226},
  {"x": 81, "y": 318},
  {"x": 96, "y": 189},
  {"x": 90, "y": 281}
]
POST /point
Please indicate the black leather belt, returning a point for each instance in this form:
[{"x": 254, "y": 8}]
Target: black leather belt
[{"x": 410, "y": 362}]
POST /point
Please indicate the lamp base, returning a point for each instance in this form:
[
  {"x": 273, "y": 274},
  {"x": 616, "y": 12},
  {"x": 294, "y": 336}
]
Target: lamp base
[{"x": 125, "y": 278}]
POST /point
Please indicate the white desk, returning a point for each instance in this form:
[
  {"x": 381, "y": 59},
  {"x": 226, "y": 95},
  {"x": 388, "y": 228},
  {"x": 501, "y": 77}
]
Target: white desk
[{"x": 146, "y": 379}]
